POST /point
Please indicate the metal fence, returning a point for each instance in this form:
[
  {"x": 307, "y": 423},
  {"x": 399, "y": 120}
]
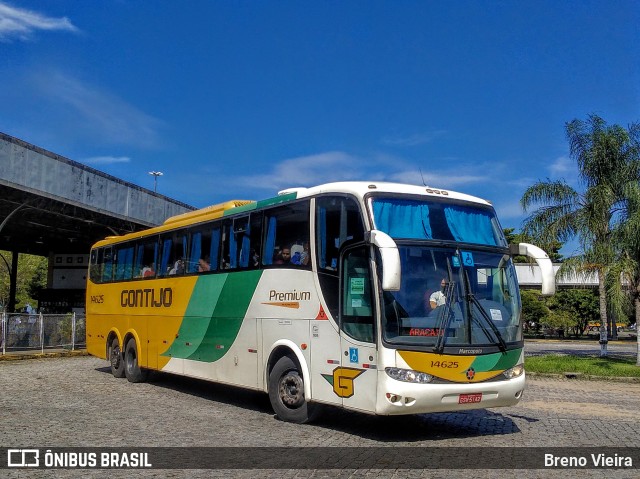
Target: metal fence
[{"x": 33, "y": 332}]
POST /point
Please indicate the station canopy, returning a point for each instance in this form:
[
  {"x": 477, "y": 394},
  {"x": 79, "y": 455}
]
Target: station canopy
[{"x": 51, "y": 205}]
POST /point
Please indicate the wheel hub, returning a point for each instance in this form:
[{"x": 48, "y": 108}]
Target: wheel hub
[
  {"x": 116, "y": 357},
  {"x": 292, "y": 390}
]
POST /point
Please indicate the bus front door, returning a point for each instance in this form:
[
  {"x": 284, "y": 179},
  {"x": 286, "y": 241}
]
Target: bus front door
[{"x": 357, "y": 377}]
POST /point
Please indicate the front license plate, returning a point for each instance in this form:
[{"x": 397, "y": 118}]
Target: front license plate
[{"x": 469, "y": 398}]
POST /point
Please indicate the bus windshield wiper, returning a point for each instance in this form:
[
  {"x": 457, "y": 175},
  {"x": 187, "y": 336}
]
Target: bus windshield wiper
[
  {"x": 496, "y": 332},
  {"x": 445, "y": 314}
]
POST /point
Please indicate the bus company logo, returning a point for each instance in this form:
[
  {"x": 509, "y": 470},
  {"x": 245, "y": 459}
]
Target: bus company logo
[
  {"x": 146, "y": 298},
  {"x": 287, "y": 299},
  {"x": 23, "y": 458},
  {"x": 471, "y": 373},
  {"x": 342, "y": 381}
]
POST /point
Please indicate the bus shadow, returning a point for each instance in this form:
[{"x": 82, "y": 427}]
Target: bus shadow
[
  {"x": 419, "y": 427},
  {"x": 216, "y": 392}
]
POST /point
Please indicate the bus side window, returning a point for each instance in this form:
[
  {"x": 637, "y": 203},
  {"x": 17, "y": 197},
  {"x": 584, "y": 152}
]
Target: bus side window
[
  {"x": 174, "y": 253},
  {"x": 338, "y": 219},
  {"x": 255, "y": 241},
  {"x": 357, "y": 319},
  {"x": 149, "y": 258},
  {"x": 138, "y": 261},
  {"x": 200, "y": 252},
  {"x": 124, "y": 262},
  {"x": 179, "y": 253},
  {"x": 165, "y": 256},
  {"x": 214, "y": 251},
  {"x": 95, "y": 266},
  {"x": 227, "y": 238},
  {"x": 239, "y": 245},
  {"x": 107, "y": 264},
  {"x": 287, "y": 230}
]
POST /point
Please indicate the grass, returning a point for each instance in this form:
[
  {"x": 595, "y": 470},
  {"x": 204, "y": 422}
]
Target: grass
[{"x": 605, "y": 367}]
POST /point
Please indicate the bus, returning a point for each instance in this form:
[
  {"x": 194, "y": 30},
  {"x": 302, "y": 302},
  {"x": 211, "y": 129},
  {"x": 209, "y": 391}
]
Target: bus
[{"x": 378, "y": 297}]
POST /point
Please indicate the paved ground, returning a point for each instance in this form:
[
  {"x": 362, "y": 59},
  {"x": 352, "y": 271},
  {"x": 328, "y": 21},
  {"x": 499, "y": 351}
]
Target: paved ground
[
  {"x": 619, "y": 349},
  {"x": 75, "y": 402}
]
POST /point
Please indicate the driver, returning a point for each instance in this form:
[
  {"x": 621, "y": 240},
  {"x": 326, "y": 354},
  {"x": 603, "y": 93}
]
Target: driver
[{"x": 438, "y": 298}]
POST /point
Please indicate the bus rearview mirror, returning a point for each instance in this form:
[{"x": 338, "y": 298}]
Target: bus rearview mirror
[{"x": 391, "y": 270}]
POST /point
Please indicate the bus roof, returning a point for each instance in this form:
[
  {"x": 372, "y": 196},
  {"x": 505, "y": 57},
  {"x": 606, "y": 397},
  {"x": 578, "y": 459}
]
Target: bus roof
[
  {"x": 356, "y": 188},
  {"x": 361, "y": 188}
]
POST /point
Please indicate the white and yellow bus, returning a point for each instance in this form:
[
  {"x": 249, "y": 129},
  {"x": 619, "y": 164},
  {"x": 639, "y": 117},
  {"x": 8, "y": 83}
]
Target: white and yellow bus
[{"x": 378, "y": 297}]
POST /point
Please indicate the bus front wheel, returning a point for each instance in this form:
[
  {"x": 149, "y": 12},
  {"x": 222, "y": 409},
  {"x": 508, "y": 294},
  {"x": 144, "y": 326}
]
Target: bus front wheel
[
  {"x": 132, "y": 369},
  {"x": 286, "y": 392},
  {"x": 115, "y": 358}
]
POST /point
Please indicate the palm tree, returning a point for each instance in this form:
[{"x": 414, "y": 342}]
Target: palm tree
[
  {"x": 602, "y": 154},
  {"x": 623, "y": 284}
]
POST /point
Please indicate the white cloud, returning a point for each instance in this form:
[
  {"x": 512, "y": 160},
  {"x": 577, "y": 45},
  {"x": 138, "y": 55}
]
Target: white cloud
[
  {"x": 562, "y": 167},
  {"x": 413, "y": 140},
  {"x": 312, "y": 170},
  {"x": 103, "y": 115},
  {"x": 106, "y": 160},
  {"x": 341, "y": 166},
  {"x": 21, "y": 24},
  {"x": 509, "y": 210},
  {"x": 443, "y": 179}
]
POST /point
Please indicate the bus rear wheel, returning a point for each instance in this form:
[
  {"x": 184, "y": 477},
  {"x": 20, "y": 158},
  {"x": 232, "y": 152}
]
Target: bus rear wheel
[
  {"x": 286, "y": 392},
  {"x": 115, "y": 358},
  {"x": 132, "y": 369}
]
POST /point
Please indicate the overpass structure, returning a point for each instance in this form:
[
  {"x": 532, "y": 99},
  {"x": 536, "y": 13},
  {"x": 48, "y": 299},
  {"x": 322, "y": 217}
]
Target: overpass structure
[
  {"x": 56, "y": 207},
  {"x": 529, "y": 277}
]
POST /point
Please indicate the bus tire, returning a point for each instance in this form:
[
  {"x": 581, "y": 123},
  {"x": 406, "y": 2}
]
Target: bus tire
[
  {"x": 132, "y": 369},
  {"x": 115, "y": 358},
  {"x": 286, "y": 392}
]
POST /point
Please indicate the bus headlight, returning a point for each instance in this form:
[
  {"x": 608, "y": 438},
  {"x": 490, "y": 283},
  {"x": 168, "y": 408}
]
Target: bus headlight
[
  {"x": 514, "y": 372},
  {"x": 408, "y": 375}
]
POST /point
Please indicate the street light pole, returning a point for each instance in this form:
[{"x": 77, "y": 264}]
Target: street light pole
[{"x": 155, "y": 175}]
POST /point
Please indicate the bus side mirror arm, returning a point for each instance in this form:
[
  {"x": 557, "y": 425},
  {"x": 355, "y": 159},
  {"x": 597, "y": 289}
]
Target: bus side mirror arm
[
  {"x": 391, "y": 270},
  {"x": 545, "y": 264}
]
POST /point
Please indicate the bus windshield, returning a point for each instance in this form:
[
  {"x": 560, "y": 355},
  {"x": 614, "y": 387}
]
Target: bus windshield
[
  {"x": 433, "y": 219},
  {"x": 453, "y": 297}
]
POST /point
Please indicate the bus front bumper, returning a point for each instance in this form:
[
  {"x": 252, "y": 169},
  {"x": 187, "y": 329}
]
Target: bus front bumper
[{"x": 398, "y": 397}]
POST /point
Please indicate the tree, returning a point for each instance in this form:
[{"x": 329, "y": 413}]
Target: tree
[
  {"x": 603, "y": 155},
  {"x": 534, "y": 311},
  {"x": 574, "y": 308},
  {"x": 623, "y": 283},
  {"x": 32, "y": 276}
]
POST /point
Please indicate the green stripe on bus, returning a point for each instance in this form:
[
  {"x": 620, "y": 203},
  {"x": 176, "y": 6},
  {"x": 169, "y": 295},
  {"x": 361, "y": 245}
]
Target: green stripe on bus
[
  {"x": 261, "y": 204},
  {"x": 214, "y": 315},
  {"x": 277, "y": 200},
  {"x": 197, "y": 316},
  {"x": 228, "y": 316},
  {"x": 508, "y": 360},
  {"x": 496, "y": 361},
  {"x": 240, "y": 209}
]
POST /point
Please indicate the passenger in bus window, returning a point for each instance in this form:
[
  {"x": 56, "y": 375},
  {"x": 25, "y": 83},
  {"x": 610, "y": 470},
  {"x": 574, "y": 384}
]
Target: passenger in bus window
[
  {"x": 296, "y": 254},
  {"x": 178, "y": 267},
  {"x": 305, "y": 255},
  {"x": 204, "y": 264},
  {"x": 148, "y": 271},
  {"x": 285, "y": 254}
]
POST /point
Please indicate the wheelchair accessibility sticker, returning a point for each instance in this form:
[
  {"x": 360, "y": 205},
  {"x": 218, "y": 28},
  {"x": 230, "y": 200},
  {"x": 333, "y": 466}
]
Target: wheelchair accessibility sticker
[
  {"x": 353, "y": 355},
  {"x": 467, "y": 258}
]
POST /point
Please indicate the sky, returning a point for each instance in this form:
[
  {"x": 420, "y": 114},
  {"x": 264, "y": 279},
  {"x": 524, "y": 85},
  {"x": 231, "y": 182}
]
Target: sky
[{"x": 240, "y": 99}]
